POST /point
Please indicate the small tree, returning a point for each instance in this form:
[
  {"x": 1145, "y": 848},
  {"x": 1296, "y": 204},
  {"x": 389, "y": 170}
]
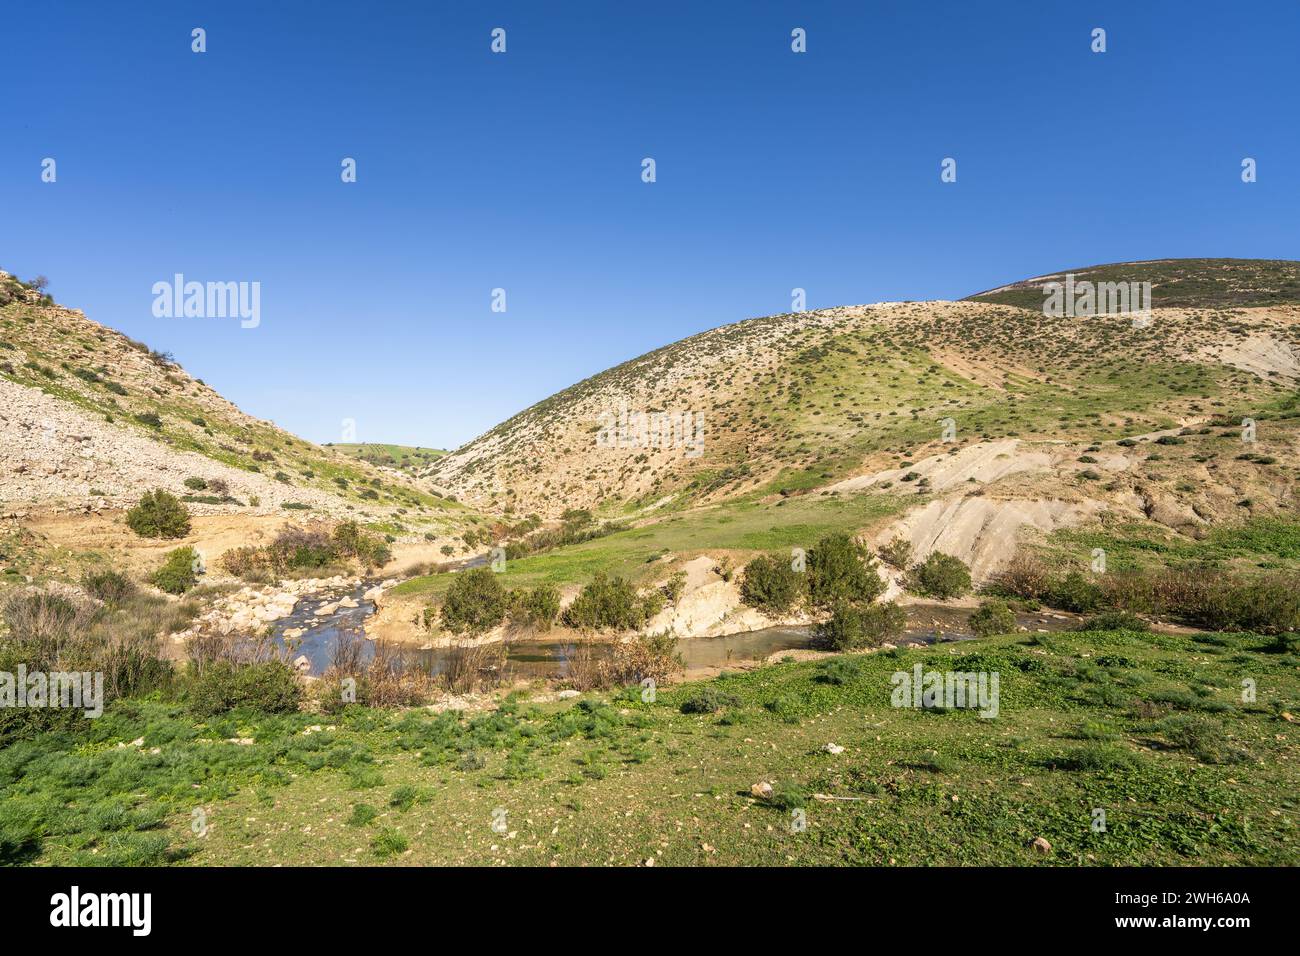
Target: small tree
[
  {"x": 940, "y": 576},
  {"x": 841, "y": 569},
  {"x": 771, "y": 585},
  {"x": 897, "y": 553},
  {"x": 853, "y": 626},
  {"x": 159, "y": 515},
  {"x": 476, "y": 602}
]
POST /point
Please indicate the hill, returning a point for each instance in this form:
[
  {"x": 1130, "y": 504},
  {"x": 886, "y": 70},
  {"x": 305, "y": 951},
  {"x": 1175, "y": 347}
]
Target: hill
[
  {"x": 1049, "y": 421},
  {"x": 89, "y": 418}
]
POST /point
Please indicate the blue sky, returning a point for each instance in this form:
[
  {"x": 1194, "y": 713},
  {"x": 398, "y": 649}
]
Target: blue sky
[{"x": 522, "y": 171}]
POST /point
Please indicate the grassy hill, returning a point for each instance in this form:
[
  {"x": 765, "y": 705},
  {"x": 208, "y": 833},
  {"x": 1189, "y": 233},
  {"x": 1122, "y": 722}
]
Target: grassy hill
[
  {"x": 792, "y": 403},
  {"x": 1176, "y": 283},
  {"x": 407, "y": 458},
  {"x": 104, "y": 415}
]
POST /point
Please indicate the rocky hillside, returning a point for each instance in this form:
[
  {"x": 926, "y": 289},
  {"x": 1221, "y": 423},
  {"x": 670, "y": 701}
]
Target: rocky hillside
[
  {"x": 795, "y": 404},
  {"x": 90, "y": 417}
]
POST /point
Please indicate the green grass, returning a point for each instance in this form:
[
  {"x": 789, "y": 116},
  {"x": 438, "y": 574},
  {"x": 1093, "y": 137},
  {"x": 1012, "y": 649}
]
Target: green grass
[
  {"x": 747, "y": 525},
  {"x": 1148, "y": 727},
  {"x": 1263, "y": 542}
]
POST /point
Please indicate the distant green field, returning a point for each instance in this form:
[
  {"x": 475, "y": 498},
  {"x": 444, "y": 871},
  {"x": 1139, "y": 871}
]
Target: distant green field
[
  {"x": 747, "y": 526},
  {"x": 394, "y": 456}
]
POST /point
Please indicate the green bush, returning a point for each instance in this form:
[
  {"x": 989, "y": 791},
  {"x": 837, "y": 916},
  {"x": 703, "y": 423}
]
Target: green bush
[
  {"x": 1075, "y": 593},
  {"x": 674, "y": 586},
  {"x": 993, "y": 617},
  {"x": 940, "y": 576},
  {"x": 707, "y": 700},
  {"x": 269, "y": 686},
  {"x": 178, "y": 574},
  {"x": 475, "y": 603},
  {"x": 159, "y": 515},
  {"x": 854, "y": 626},
  {"x": 195, "y": 484},
  {"x": 351, "y": 540},
  {"x": 897, "y": 553},
  {"x": 841, "y": 569},
  {"x": 539, "y": 608},
  {"x": 771, "y": 585},
  {"x": 607, "y": 603}
]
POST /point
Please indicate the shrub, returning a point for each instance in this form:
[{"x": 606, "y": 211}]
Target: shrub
[
  {"x": 674, "y": 586},
  {"x": 940, "y": 576},
  {"x": 771, "y": 585},
  {"x": 111, "y": 587},
  {"x": 539, "y": 608},
  {"x": 1074, "y": 593},
  {"x": 353, "y": 541},
  {"x": 247, "y": 562},
  {"x": 296, "y": 548},
  {"x": 159, "y": 515},
  {"x": 607, "y": 603},
  {"x": 149, "y": 420},
  {"x": 178, "y": 573},
  {"x": 268, "y": 686},
  {"x": 897, "y": 553},
  {"x": 475, "y": 603},
  {"x": 650, "y": 656},
  {"x": 1023, "y": 577},
  {"x": 707, "y": 700},
  {"x": 993, "y": 617},
  {"x": 841, "y": 569},
  {"x": 853, "y": 626},
  {"x": 195, "y": 483}
]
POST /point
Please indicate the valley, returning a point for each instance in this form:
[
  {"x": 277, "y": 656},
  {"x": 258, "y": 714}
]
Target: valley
[{"x": 671, "y": 652}]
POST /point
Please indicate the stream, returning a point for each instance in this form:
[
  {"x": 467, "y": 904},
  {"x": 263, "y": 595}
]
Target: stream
[{"x": 541, "y": 659}]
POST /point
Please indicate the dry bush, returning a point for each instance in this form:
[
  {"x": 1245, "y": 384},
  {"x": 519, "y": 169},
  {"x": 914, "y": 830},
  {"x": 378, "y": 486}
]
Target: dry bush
[
  {"x": 1025, "y": 576},
  {"x": 652, "y": 656},
  {"x": 385, "y": 680},
  {"x": 470, "y": 666}
]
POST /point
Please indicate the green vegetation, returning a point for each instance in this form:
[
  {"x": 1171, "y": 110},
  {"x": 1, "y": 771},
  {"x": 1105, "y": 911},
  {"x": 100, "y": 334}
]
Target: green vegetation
[
  {"x": 159, "y": 515},
  {"x": 475, "y": 603},
  {"x": 854, "y": 626},
  {"x": 178, "y": 573},
  {"x": 772, "y": 585},
  {"x": 1180, "y": 283},
  {"x": 1148, "y": 727},
  {"x": 940, "y": 576},
  {"x": 841, "y": 570},
  {"x": 991, "y": 618}
]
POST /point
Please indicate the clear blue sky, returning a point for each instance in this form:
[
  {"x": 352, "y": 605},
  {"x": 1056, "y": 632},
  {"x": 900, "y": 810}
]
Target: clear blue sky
[{"x": 522, "y": 171}]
